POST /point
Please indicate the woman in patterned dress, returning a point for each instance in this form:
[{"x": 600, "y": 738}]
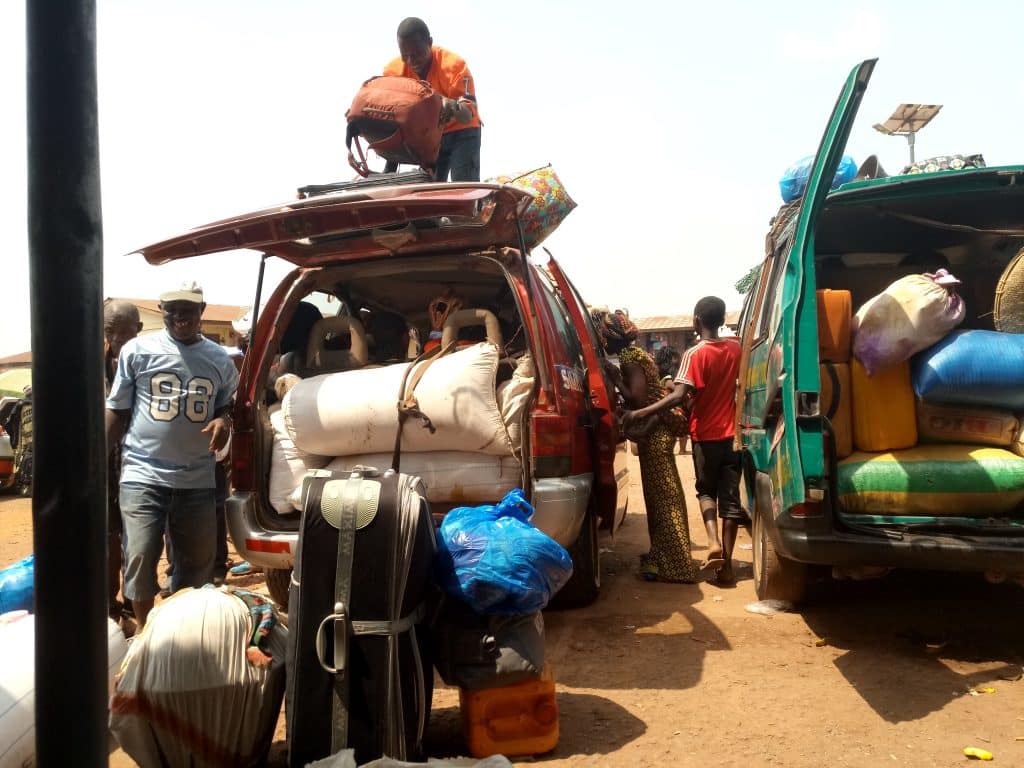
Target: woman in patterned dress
[{"x": 669, "y": 558}]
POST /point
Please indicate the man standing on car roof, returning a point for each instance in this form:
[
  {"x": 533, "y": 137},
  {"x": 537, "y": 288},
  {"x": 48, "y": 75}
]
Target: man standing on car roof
[
  {"x": 708, "y": 372},
  {"x": 448, "y": 74},
  {"x": 173, "y": 391}
]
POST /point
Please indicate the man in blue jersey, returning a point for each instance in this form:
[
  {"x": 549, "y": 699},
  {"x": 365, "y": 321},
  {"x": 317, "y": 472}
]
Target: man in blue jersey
[{"x": 170, "y": 401}]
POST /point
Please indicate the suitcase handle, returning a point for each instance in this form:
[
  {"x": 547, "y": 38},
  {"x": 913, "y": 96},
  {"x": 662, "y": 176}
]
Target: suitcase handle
[{"x": 340, "y": 646}]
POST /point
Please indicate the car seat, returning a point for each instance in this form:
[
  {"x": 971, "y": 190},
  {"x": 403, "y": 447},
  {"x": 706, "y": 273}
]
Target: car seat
[
  {"x": 321, "y": 357},
  {"x": 296, "y": 338}
]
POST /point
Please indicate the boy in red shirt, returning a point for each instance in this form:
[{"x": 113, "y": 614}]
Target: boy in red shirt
[{"x": 706, "y": 389}]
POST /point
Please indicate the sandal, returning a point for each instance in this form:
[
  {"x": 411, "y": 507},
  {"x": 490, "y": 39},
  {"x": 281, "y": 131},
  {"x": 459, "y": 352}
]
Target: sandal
[
  {"x": 712, "y": 563},
  {"x": 244, "y": 568}
]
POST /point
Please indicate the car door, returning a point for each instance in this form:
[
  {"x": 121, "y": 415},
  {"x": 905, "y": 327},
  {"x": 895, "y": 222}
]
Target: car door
[
  {"x": 611, "y": 475},
  {"x": 779, "y": 384}
]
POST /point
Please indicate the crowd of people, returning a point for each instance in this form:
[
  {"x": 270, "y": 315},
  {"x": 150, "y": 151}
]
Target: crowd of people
[{"x": 169, "y": 396}]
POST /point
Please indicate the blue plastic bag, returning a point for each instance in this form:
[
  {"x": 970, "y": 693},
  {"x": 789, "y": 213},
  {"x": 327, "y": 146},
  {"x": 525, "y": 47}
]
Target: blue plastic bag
[
  {"x": 496, "y": 561},
  {"x": 16, "y": 584},
  {"x": 984, "y": 368},
  {"x": 794, "y": 180}
]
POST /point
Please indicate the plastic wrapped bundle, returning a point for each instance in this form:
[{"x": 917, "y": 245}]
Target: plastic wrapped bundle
[
  {"x": 933, "y": 480},
  {"x": 983, "y": 368},
  {"x": 794, "y": 180},
  {"x": 944, "y": 163},
  {"x": 16, "y": 586},
  {"x": 551, "y": 203},
  {"x": 496, "y": 561},
  {"x": 910, "y": 315},
  {"x": 188, "y": 692}
]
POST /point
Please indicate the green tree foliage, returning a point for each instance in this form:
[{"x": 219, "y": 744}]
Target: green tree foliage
[{"x": 745, "y": 283}]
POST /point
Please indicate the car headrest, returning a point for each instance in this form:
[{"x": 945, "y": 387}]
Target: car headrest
[
  {"x": 468, "y": 318},
  {"x": 320, "y": 358}
]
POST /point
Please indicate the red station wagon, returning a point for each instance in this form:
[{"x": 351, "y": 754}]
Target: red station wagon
[{"x": 361, "y": 250}]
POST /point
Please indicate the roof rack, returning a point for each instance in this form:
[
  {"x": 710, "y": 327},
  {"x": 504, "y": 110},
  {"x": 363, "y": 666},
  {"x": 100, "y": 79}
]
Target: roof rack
[{"x": 417, "y": 176}]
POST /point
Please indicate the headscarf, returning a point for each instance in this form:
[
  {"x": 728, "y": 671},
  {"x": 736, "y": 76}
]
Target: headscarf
[
  {"x": 615, "y": 329},
  {"x": 673, "y": 418}
]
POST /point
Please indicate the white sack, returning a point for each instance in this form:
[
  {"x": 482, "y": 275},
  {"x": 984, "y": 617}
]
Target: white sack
[
  {"x": 288, "y": 465},
  {"x": 188, "y": 696},
  {"x": 909, "y": 316},
  {"x": 355, "y": 412},
  {"x": 513, "y": 398},
  {"x": 449, "y": 476},
  {"x": 346, "y": 759},
  {"x": 18, "y": 684}
]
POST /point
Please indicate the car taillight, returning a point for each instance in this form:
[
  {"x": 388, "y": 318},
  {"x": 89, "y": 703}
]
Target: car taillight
[
  {"x": 243, "y": 461},
  {"x": 552, "y": 442},
  {"x": 807, "y": 509}
]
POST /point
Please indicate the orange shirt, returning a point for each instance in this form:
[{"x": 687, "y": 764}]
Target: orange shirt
[{"x": 447, "y": 75}]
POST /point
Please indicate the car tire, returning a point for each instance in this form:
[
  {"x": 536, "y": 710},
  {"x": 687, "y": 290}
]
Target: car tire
[
  {"x": 775, "y": 577},
  {"x": 278, "y": 581},
  {"x": 585, "y": 584}
]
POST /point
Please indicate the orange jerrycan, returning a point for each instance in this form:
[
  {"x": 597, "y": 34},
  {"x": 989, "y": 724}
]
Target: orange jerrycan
[
  {"x": 884, "y": 416},
  {"x": 835, "y": 312},
  {"x": 520, "y": 719}
]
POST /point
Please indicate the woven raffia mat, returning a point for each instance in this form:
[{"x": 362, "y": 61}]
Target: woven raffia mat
[{"x": 1008, "y": 313}]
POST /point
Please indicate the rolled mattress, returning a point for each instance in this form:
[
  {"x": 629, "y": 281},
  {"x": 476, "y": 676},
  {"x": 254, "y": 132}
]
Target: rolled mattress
[
  {"x": 355, "y": 412},
  {"x": 449, "y": 476},
  {"x": 933, "y": 480}
]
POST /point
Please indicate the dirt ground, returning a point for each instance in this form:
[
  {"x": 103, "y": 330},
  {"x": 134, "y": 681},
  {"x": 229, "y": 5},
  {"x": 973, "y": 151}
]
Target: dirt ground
[{"x": 867, "y": 674}]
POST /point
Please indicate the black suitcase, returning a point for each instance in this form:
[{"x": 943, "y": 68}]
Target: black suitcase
[{"x": 369, "y": 688}]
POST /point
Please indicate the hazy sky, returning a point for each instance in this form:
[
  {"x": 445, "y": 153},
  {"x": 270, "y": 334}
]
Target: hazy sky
[{"x": 670, "y": 124}]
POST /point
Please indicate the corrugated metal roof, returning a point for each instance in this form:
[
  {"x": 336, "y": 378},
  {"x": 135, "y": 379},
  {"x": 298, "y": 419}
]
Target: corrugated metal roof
[
  {"x": 676, "y": 322},
  {"x": 22, "y": 358},
  {"x": 216, "y": 313}
]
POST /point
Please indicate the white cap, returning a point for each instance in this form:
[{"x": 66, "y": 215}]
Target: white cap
[{"x": 190, "y": 291}]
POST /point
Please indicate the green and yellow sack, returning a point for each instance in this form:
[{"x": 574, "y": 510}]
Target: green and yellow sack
[{"x": 933, "y": 480}]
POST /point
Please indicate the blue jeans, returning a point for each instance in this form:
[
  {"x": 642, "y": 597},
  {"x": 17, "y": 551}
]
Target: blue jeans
[
  {"x": 460, "y": 155},
  {"x": 188, "y": 514}
]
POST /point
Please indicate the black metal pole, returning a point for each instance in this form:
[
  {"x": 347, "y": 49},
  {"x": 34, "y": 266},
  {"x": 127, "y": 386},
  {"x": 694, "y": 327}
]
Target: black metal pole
[{"x": 69, "y": 489}]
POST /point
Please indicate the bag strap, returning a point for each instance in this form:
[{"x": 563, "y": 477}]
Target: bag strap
[
  {"x": 407, "y": 403},
  {"x": 339, "y": 619},
  {"x": 833, "y": 407},
  {"x": 361, "y": 167}
]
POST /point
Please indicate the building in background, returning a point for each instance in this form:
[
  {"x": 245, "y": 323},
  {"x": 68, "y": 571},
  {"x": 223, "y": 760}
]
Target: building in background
[
  {"x": 673, "y": 330},
  {"x": 217, "y": 319},
  {"x": 20, "y": 360}
]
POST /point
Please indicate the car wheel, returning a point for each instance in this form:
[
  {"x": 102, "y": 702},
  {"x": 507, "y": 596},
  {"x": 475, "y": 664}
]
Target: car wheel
[
  {"x": 585, "y": 583},
  {"x": 775, "y": 577},
  {"x": 278, "y": 581}
]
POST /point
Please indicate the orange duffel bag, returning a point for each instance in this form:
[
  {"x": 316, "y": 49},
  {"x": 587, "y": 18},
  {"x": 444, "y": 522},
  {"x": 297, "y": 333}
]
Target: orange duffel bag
[{"x": 399, "y": 118}]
